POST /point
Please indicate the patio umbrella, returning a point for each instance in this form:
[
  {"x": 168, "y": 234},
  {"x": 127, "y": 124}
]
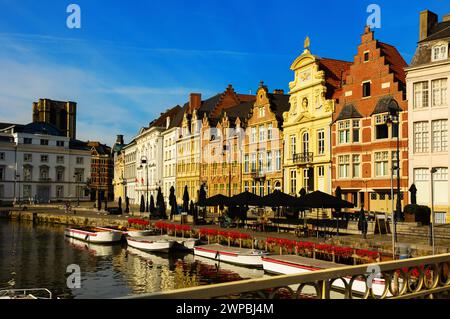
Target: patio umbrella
[
  {"x": 216, "y": 200},
  {"x": 322, "y": 200},
  {"x": 278, "y": 199},
  {"x": 172, "y": 202},
  {"x": 185, "y": 200},
  {"x": 246, "y": 199},
  {"x": 120, "y": 204},
  {"x": 413, "y": 191}
]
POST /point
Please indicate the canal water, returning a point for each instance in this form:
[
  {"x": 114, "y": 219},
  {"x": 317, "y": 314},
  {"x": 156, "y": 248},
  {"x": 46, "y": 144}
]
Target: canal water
[{"x": 37, "y": 256}]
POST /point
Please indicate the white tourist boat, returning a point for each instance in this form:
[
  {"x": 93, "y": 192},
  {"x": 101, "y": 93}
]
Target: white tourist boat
[
  {"x": 93, "y": 234},
  {"x": 234, "y": 255},
  {"x": 244, "y": 272},
  {"x": 98, "y": 250},
  {"x": 129, "y": 231},
  {"x": 292, "y": 264},
  {"x": 182, "y": 243},
  {"x": 151, "y": 243}
]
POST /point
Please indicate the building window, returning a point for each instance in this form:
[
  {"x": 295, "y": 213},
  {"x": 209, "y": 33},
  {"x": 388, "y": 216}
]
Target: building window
[
  {"x": 44, "y": 142},
  {"x": 269, "y": 187},
  {"x": 43, "y": 173},
  {"x": 253, "y": 135},
  {"x": 439, "y": 52},
  {"x": 420, "y": 137},
  {"x": 253, "y": 163},
  {"x": 260, "y": 162},
  {"x": 381, "y": 127},
  {"x": 254, "y": 187},
  {"x": 269, "y": 161},
  {"x": 355, "y": 130},
  {"x": 321, "y": 171},
  {"x": 321, "y": 142},
  {"x": 439, "y": 92},
  {"x": 269, "y": 131},
  {"x": 245, "y": 186},
  {"x": 293, "y": 145},
  {"x": 420, "y": 95},
  {"x": 344, "y": 166},
  {"x": 27, "y": 140},
  {"x": 27, "y": 173},
  {"x": 305, "y": 142},
  {"x": 27, "y": 191},
  {"x": 366, "y": 89},
  {"x": 79, "y": 160},
  {"x": 261, "y": 111},
  {"x": 381, "y": 164},
  {"x": 262, "y": 134},
  {"x": 60, "y": 143},
  {"x": 440, "y": 133},
  {"x": 356, "y": 163},
  {"x": 366, "y": 56},
  {"x": 44, "y": 158},
  {"x": 344, "y": 132},
  {"x": 278, "y": 160},
  {"x": 60, "y": 174},
  {"x": 2, "y": 173},
  {"x": 261, "y": 189},
  {"x": 60, "y": 159},
  {"x": 27, "y": 157},
  {"x": 59, "y": 191},
  {"x": 293, "y": 180},
  {"x": 245, "y": 163},
  {"x": 306, "y": 178},
  {"x": 2, "y": 156}
]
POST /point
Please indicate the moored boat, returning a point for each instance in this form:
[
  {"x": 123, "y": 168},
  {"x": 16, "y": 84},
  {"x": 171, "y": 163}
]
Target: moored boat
[
  {"x": 129, "y": 231},
  {"x": 292, "y": 264},
  {"x": 234, "y": 255},
  {"x": 151, "y": 243},
  {"x": 93, "y": 234},
  {"x": 182, "y": 243},
  {"x": 33, "y": 293}
]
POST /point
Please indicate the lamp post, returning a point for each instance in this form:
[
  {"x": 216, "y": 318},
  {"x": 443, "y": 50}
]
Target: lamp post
[
  {"x": 394, "y": 118},
  {"x": 77, "y": 179},
  {"x": 432, "y": 171}
]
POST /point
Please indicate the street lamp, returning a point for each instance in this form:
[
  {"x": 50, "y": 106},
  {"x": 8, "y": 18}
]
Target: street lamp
[
  {"x": 433, "y": 170},
  {"x": 394, "y": 118}
]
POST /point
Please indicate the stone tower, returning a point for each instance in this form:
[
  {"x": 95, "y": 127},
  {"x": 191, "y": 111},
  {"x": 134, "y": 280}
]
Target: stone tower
[{"x": 58, "y": 113}]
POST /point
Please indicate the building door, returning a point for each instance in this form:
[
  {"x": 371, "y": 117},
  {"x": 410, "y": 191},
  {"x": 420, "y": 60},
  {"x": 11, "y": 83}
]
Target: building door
[
  {"x": 311, "y": 179},
  {"x": 43, "y": 194}
]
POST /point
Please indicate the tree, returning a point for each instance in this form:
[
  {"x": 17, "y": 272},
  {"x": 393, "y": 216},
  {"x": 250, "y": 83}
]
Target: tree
[
  {"x": 161, "y": 205},
  {"x": 185, "y": 199},
  {"x": 173, "y": 203},
  {"x": 152, "y": 208},
  {"x": 142, "y": 207}
]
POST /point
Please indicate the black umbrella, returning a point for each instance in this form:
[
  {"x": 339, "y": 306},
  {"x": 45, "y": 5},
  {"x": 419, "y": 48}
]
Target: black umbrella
[
  {"x": 277, "y": 199},
  {"x": 217, "y": 200},
  {"x": 246, "y": 199},
  {"x": 320, "y": 199},
  {"x": 120, "y": 205}
]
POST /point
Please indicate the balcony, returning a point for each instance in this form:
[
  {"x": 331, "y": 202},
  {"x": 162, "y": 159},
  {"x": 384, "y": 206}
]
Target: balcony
[
  {"x": 303, "y": 158},
  {"x": 258, "y": 175}
]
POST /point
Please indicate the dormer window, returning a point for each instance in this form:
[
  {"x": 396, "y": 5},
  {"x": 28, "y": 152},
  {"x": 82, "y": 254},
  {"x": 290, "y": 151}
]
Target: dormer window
[
  {"x": 366, "y": 56},
  {"x": 439, "y": 52}
]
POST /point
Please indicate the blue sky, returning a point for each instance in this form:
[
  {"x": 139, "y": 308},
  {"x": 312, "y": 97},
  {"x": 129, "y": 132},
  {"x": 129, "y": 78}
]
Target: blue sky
[{"x": 130, "y": 62}]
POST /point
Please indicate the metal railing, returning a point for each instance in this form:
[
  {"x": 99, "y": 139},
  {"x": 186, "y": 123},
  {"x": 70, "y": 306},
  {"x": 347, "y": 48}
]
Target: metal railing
[
  {"x": 301, "y": 158},
  {"x": 33, "y": 293},
  {"x": 400, "y": 279}
]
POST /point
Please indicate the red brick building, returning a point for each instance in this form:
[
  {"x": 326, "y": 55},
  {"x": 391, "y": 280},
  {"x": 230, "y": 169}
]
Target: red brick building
[
  {"x": 364, "y": 140},
  {"x": 102, "y": 171}
]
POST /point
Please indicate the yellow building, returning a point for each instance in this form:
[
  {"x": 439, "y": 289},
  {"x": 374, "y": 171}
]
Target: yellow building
[
  {"x": 118, "y": 181},
  {"x": 306, "y": 126}
]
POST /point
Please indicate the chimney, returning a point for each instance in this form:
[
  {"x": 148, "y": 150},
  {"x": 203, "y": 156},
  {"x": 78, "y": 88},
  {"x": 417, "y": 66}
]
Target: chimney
[
  {"x": 119, "y": 139},
  {"x": 428, "y": 20},
  {"x": 167, "y": 122},
  {"x": 195, "y": 101},
  {"x": 446, "y": 18},
  {"x": 278, "y": 91}
]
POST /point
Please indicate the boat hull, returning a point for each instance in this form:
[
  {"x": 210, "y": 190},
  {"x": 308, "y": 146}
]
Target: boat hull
[
  {"x": 280, "y": 267},
  {"x": 159, "y": 245},
  {"x": 236, "y": 258},
  {"x": 101, "y": 237}
]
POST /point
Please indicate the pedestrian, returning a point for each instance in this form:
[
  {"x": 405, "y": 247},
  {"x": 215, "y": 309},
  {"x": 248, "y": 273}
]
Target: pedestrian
[{"x": 362, "y": 223}]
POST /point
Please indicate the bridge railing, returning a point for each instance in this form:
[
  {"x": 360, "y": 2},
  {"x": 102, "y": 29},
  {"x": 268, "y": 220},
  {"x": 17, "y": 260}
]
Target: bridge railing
[{"x": 422, "y": 277}]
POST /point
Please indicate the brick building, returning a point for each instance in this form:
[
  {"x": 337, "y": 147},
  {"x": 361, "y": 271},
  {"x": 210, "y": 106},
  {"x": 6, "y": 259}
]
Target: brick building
[
  {"x": 102, "y": 171},
  {"x": 364, "y": 141}
]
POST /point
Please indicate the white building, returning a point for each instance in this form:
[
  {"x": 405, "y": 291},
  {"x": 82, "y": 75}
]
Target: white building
[
  {"x": 38, "y": 163},
  {"x": 428, "y": 84},
  {"x": 170, "y": 137},
  {"x": 144, "y": 160}
]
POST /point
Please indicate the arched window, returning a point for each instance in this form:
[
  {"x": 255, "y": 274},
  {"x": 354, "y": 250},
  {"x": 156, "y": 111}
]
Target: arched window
[{"x": 305, "y": 142}]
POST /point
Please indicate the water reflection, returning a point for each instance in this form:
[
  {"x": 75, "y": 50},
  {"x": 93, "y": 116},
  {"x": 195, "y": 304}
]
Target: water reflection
[{"x": 38, "y": 255}]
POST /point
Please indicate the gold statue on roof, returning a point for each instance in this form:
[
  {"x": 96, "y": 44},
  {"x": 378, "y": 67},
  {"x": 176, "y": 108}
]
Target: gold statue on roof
[{"x": 307, "y": 43}]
